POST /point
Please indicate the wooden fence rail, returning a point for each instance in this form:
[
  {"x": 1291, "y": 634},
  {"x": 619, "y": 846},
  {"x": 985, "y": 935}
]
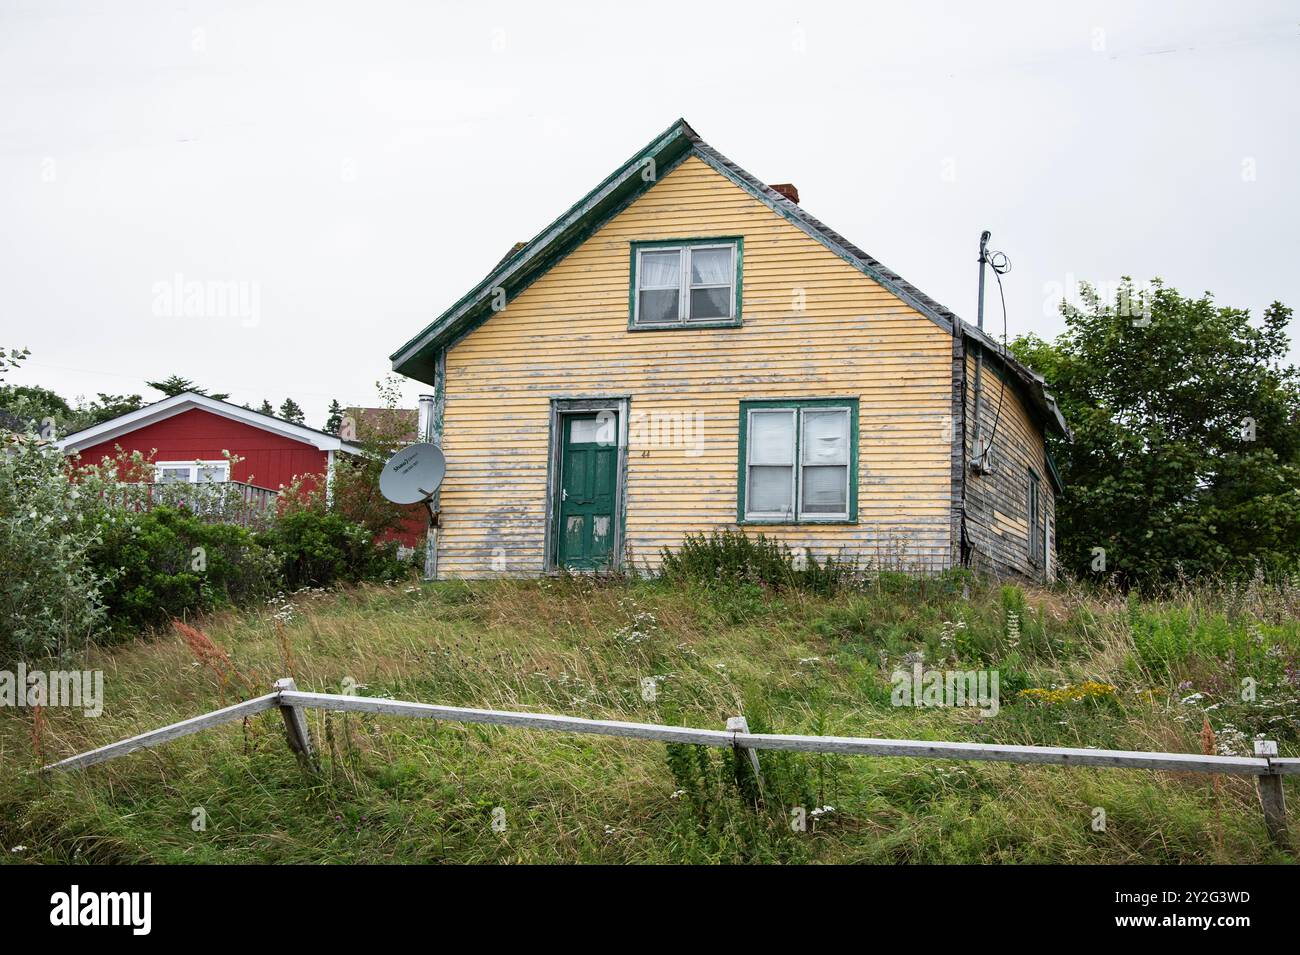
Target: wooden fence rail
[{"x": 1265, "y": 766}]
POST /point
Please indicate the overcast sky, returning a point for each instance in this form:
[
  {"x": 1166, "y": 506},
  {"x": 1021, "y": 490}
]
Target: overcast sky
[{"x": 351, "y": 169}]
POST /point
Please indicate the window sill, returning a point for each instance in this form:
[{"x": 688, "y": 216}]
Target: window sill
[
  {"x": 783, "y": 522},
  {"x": 685, "y": 326}
]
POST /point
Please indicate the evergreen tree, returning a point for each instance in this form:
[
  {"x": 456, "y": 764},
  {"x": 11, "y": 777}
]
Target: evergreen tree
[
  {"x": 174, "y": 385},
  {"x": 335, "y": 419},
  {"x": 290, "y": 411}
]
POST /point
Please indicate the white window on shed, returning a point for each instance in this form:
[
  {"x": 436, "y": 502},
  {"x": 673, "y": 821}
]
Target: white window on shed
[{"x": 191, "y": 472}]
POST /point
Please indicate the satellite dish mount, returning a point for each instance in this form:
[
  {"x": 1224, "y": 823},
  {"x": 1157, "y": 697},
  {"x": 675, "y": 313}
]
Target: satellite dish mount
[{"x": 413, "y": 475}]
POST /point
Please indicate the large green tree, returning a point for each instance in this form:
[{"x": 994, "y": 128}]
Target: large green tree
[
  {"x": 1186, "y": 418},
  {"x": 36, "y": 406},
  {"x": 106, "y": 407}
]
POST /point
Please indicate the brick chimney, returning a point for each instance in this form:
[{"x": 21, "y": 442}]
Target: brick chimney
[{"x": 786, "y": 189}]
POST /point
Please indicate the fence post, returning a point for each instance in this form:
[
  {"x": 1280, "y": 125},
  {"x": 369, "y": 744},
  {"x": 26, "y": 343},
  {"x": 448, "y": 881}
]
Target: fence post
[
  {"x": 738, "y": 724},
  {"x": 1271, "y": 796},
  {"x": 295, "y": 727}
]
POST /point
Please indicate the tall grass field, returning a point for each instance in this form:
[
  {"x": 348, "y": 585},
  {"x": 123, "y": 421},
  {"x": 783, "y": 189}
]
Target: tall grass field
[{"x": 1203, "y": 669}]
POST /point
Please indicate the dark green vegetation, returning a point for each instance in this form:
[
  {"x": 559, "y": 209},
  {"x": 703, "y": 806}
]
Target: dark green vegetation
[
  {"x": 167, "y": 563},
  {"x": 1186, "y": 459}
]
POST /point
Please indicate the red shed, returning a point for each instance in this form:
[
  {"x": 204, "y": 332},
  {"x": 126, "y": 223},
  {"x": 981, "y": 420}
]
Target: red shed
[{"x": 188, "y": 436}]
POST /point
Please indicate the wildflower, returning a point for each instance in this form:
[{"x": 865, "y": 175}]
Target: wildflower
[{"x": 1069, "y": 693}]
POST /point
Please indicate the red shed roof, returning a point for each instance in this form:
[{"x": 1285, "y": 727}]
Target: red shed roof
[{"x": 187, "y": 400}]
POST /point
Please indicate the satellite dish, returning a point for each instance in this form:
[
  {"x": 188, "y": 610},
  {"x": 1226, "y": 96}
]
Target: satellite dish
[{"x": 413, "y": 474}]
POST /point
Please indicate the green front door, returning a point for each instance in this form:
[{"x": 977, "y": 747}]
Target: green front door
[{"x": 587, "y": 507}]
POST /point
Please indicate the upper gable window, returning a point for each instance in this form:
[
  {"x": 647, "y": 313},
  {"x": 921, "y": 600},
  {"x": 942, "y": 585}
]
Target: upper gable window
[{"x": 684, "y": 282}]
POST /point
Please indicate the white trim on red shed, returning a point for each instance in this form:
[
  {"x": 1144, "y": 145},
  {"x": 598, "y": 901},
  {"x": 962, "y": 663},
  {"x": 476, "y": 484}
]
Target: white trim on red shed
[{"x": 187, "y": 401}]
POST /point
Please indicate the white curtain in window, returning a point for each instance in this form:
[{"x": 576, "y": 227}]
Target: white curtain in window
[
  {"x": 661, "y": 269},
  {"x": 769, "y": 491},
  {"x": 711, "y": 266},
  {"x": 771, "y": 462},
  {"x": 771, "y": 437},
  {"x": 825, "y": 437},
  {"x": 825, "y": 454},
  {"x": 825, "y": 490}
]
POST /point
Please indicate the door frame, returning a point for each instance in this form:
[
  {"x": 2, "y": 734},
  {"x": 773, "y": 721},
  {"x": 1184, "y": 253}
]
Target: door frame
[{"x": 561, "y": 409}]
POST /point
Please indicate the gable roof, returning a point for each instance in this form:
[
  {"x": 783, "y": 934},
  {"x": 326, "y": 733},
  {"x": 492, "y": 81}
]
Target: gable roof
[
  {"x": 529, "y": 261},
  {"x": 188, "y": 401}
]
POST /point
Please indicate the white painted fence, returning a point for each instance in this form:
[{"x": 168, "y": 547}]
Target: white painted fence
[{"x": 1265, "y": 765}]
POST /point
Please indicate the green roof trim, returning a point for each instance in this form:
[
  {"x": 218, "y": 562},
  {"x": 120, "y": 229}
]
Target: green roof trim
[{"x": 518, "y": 271}]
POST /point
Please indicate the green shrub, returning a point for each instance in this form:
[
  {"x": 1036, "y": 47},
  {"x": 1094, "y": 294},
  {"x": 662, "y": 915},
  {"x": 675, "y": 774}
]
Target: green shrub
[
  {"x": 48, "y": 589},
  {"x": 1168, "y": 639},
  {"x": 321, "y": 549},
  {"x": 167, "y": 563},
  {"x": 733, "y": 557}
]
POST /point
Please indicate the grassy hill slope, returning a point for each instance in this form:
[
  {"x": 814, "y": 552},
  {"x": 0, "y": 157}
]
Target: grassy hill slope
[{"x": 403, "y": 790}]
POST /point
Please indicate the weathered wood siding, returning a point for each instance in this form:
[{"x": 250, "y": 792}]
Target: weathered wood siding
[
  {"x": 566, "y": 336},
  {"x": 997, "y": 503}
]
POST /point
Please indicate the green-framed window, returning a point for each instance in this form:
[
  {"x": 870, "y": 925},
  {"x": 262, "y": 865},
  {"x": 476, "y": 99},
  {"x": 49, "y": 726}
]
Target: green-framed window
[
  {"x": 798, "y": 461},
  {"x": 1037, "y": 526},
  {"x": 685, "y": 283}
]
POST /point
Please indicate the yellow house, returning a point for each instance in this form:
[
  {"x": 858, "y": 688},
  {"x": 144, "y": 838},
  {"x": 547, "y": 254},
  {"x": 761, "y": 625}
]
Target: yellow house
[{"x": 687, "y": 349}]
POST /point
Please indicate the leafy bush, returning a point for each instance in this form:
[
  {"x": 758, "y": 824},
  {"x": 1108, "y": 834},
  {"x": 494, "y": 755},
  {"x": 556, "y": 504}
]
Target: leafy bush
[
  {"x": 354, "y": 491},
  {"x": 320, "y": 549},
  {"x": 48, "y": 588},
  {"x": 733, "y": 557},
  {"x": 1189, "y": 418},
  {"x": 168, "y": 563}
]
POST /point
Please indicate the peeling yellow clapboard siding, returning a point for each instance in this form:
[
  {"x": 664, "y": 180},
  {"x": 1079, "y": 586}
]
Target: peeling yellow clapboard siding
[{"x": 567, "y": 335}]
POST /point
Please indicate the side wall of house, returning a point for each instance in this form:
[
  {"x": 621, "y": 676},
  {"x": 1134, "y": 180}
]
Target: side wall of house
[
  {"x": 269, "y": 460},
  {"x": 813, "y": 326},
  {"x": 997, "y": 503}
]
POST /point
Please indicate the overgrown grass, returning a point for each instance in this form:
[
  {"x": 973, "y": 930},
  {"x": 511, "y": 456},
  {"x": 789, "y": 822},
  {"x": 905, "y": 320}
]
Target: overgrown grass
[{"x": 403, "y": 790}]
